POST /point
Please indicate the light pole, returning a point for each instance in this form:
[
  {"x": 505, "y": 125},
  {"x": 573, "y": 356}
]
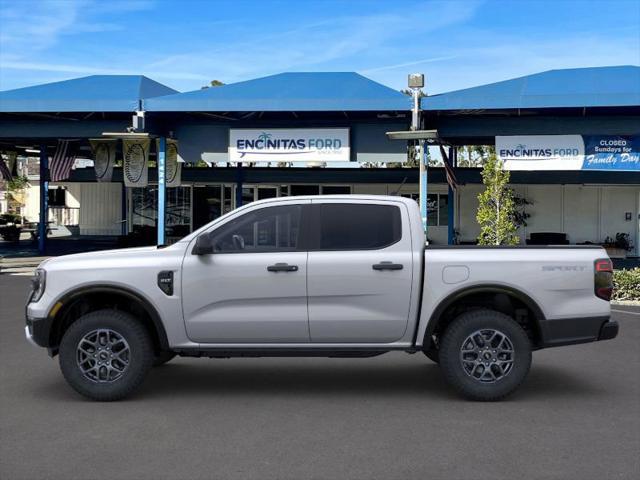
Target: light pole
[{"x": 416, "y": 83}]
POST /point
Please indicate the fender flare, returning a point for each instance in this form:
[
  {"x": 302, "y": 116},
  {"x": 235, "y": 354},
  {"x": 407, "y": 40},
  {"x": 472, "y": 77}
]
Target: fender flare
[
  {"x": 147, "y": 306},
  {"x": 486, "y": 288}
]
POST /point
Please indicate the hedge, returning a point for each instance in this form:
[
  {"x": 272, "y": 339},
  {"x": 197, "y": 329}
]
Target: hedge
[{"x": 626, "y": 284}]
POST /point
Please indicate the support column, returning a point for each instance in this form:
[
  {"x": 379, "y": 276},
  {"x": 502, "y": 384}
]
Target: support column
[
  {"x": 239, "y": 179},
  {"x": 162, "y": 188},
  {"x": 44, "y": 200},
  {"x": 450, "y": 200},
  {"x": 423, "y": 184}
]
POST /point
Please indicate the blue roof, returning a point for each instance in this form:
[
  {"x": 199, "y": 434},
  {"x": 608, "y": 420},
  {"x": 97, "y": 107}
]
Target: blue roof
[
  {"x": 577, "y": 87},
  {"x": 96, "y": 93},
  {"x": 298, "y": 92}
]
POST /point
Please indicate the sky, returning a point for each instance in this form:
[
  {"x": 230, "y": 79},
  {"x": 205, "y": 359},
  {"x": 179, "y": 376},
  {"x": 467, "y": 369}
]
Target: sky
[{"x": 185, "y": 44}]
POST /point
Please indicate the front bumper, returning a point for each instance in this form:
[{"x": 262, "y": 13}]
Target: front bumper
[
  {"x": 38, "y": 331},
  {"x": 571, "y": 331}
]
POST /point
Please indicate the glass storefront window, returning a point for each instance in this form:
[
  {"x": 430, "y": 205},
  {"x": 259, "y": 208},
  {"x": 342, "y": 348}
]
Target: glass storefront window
[{"x": 144, "y": 211}]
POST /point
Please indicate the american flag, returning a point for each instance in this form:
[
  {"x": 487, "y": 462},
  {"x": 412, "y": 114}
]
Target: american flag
[
  {"x": 62, "y": 161},
  {"x": 4, "y": 171},
  {"x": 451, "y": 175}
]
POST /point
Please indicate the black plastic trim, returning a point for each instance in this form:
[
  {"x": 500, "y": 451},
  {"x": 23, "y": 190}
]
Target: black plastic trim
[
  {"x": 609, "y": 330},
  {"x": 571, "y": 331},
  {"x": 490, "y": 288},
  {"x": 148, "y": 307}
]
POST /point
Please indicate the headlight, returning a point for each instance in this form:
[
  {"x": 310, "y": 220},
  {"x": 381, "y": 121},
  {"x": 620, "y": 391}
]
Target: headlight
[{"x": 38, "y": 284}]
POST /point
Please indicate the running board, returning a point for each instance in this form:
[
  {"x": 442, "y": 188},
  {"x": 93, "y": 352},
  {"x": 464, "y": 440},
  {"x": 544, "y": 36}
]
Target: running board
[{"x": 278, "y": 352}]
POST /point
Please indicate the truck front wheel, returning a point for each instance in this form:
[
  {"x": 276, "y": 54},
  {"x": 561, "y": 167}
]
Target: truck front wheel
[
  {"x": 105, "y": 355},
  {"x": 485, "y": 355}
]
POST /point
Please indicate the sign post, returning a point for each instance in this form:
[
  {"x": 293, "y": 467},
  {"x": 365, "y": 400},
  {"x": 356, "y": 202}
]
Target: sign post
[{"x": 416, "y": 82}]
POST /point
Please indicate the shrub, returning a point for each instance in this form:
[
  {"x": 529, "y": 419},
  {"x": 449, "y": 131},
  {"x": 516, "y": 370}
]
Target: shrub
[{"x": 626, "y": 284}]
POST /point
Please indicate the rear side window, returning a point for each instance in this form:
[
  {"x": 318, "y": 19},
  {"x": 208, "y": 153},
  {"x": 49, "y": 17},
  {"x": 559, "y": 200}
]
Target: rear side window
[{"x": 350, "y": 226}]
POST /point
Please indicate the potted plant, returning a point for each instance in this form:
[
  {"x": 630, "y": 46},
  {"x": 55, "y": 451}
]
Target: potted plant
[{"x": 618, "y": 247}]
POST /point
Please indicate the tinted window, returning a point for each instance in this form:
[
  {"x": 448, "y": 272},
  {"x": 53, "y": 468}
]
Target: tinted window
[
  {"x": 348, "y": 226},
  {"x": 268, "y": 229}
]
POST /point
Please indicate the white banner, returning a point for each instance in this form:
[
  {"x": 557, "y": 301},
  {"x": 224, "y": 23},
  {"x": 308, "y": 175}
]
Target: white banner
[
  {"x": 173, "y": 166},
  {"x": 541, "y": 152},
  {"x": 104, "y": 157},
  {"x": 136, "y": 162},
  {"x": 289, "y": 145}
]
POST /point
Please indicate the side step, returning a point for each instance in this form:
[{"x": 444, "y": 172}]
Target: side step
[{"x": 278, "y": 352}]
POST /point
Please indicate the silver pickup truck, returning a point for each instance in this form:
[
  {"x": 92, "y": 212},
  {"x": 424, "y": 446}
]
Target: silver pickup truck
[{"x": 334, "y": 276}]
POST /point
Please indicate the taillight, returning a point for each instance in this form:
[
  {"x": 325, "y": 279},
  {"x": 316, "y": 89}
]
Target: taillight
[{"x": 603, "y": 278}]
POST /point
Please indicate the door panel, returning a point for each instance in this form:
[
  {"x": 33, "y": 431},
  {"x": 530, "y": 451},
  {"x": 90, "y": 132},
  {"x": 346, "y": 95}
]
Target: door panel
[
  {"x": 349, "y": 300},
  {"x": 232, "y": 298},
  {"x": 252, "y": 288}
]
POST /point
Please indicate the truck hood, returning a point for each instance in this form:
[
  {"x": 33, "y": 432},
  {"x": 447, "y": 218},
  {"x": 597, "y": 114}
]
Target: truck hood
[{"x": 122, "y": 256}]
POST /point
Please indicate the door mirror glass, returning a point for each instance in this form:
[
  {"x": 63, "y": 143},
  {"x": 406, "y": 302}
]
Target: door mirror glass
[{"x": 203, "y": 245}]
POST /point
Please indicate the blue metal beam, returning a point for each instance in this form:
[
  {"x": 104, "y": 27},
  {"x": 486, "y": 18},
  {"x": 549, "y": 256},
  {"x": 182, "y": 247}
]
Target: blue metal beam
[
  {"x": 239, "y": 179},
  {"x": 162, "y": 188},
  {"x": 44, "y": 200},
  {"x": 453, "y": 154}
]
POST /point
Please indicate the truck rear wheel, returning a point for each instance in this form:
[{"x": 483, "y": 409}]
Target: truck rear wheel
[
  {"x": 105, "y": 354},
  {"x": 485, "y": 355}
]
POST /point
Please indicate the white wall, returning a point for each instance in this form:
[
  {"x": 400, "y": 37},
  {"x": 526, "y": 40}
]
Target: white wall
[
  {"x": 585, "y": 213},
  {"x": 100, "y": 208}
]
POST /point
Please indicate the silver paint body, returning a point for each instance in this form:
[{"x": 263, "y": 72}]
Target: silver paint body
[{"x": 335, "y": 299}]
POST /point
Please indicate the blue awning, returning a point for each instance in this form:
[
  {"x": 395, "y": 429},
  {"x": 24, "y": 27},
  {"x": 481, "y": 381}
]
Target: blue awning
[
  {"x": 288, "y": 92},
  {"x": 577, "y": 87},
  {"x": 96, "y": 93}
]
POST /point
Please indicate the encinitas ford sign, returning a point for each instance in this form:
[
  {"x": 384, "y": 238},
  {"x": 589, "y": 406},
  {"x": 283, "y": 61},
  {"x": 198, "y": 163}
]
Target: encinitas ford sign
[
  {"x": 541, "y": 152},
  {"x": 569, "y": 152},
  {"x": 289, "y": 145}
]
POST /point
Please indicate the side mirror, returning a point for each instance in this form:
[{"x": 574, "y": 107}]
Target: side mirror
[{"x": 203, "y": 245}]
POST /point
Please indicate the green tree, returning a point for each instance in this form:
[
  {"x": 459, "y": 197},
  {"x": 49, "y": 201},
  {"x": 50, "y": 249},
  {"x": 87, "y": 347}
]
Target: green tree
[
  {"x": 213, "y": 83},
  {"x": 497, "y": 208},
  {"x": 474, "y": 155}
]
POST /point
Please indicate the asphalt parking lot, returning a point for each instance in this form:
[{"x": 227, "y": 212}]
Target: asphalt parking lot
[{"x": 577, "y": 416}]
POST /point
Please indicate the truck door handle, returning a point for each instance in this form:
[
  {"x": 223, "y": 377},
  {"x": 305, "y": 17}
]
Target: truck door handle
[
  {"x": 387, "y": 266},
  {"x": 282, "y": 267}
]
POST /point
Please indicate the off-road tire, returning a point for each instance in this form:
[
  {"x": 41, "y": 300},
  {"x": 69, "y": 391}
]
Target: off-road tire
[
  {"x": 458, "y": 332},
  {"x": 163, "y": 357},
  {"x": 140, "y": 357}
]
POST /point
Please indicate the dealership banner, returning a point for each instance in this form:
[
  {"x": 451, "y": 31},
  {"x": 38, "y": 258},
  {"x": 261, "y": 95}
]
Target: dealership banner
[
  {"x": 611, "y": 152},
  {"x": 135, "y": 153},
  {"x": 173, "y": 166},
  {"x": 289, "y": 145},
  {"x": 569, "y": 152},
  {"x": 104, "y": 157},
  {"x": 541, "y": 152}
]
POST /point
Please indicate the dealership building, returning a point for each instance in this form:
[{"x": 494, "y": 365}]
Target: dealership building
[{"x": 570, "y": 137}]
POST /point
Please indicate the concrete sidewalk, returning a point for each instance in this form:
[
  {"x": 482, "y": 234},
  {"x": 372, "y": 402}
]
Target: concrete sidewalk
[{"x": 24, "y": 265}]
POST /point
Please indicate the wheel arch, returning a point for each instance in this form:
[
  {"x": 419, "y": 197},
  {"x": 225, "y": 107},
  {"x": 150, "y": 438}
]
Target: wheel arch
[
  {"x": 439, "y": 318},
  {"x": 103, "y": 295}
]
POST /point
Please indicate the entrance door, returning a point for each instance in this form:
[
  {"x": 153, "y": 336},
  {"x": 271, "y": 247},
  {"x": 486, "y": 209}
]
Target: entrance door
[
  {"x": 253, "y": 287},
  {"x": 354, "y": 295}
]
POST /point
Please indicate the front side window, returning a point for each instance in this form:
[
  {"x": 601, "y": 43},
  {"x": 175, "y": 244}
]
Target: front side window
[
  {"x": 350, "y": 226},
  {"x": 270, "y": 229}
]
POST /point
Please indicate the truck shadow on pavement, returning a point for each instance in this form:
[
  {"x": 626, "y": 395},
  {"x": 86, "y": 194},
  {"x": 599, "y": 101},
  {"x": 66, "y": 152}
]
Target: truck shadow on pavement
[
  {"x": 189, "y": 380},
  {"x": 343, "y": 380}
]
